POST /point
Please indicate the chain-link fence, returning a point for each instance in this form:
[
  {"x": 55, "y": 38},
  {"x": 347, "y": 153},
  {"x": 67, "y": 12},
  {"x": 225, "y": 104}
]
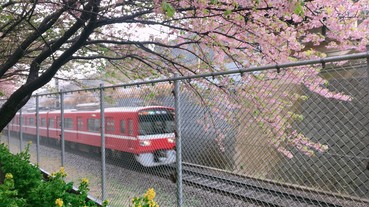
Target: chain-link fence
[{"x": 284, "y": 135}]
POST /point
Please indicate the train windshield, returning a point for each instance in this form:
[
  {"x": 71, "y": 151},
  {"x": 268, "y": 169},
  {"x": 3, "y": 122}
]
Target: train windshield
[{"x": 156, "y": 121}]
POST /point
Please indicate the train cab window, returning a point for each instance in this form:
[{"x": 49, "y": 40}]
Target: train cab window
[
  {"x": 130, "y": 127},
  {"x": 51, "y": 123},
  {"x": 93, "y": 125},
  {"x": 122, "y": 126},
  {"x": 68, "y": 123},
  {"x": 43, "y": 121},
  {"x": 109, "y": 125},
  {"x": 159, "y": 121}
]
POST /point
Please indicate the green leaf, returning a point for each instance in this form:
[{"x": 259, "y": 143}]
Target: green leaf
[
  {"x": 299, "y": 10},
  {"x": 304, "y": 98},
  {"x": 326, "y": 83},
  {"x": 261, "y": 124},
  {"x": 213, "y": 1},
  {"x": 227, "y": 12},
  {"x": 168, "y": 9}
]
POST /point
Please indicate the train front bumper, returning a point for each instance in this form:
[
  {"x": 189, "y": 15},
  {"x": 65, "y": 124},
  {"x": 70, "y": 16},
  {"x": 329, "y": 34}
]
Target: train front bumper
[{"x": 150, "y": 159}]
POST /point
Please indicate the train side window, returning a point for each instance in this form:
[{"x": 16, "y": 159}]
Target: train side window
[
  {"x": 93, "y": 125},
  {"x": 43, "y": 121},
  {"x": 51, "y": 123},
  {"x": 130, "y": 127},
  {"x": 122, "y": 126},
  {"x": 79, "y": 123},
  {"x": 31, "y": 121},
  {"x": 109, "y": 125},
  {"x": 68, "y": 123}
]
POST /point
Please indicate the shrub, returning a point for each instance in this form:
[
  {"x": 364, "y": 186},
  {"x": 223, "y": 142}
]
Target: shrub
[{"x": 22, "y": 184}]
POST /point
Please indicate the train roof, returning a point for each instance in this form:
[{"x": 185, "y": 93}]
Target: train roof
[
  {"x": 133, "y": 109},
  {"x": 109, "y": 109}
]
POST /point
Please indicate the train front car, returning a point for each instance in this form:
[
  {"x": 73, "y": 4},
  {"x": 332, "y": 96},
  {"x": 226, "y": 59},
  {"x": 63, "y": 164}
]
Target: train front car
[{"x": 156, "y": 138}]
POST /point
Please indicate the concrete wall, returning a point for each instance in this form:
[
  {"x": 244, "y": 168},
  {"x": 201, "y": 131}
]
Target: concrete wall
[{"x": 344, "y": 127}]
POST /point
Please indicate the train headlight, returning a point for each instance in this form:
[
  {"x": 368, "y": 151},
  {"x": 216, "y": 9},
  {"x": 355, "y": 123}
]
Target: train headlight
[
  {"x": 145, "y": 143},
  {"x": 171, "y": 140}
]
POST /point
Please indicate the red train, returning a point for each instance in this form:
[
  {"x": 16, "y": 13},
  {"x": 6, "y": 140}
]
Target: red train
[{"x": 147, "y": 132}]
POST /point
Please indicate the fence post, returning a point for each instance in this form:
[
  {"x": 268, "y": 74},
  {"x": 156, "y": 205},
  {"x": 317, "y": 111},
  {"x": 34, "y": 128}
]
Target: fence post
[
  {"x": 177, "y": 105},
  {"x": 9, "y": 135},
  {"x": 62, "y": 128},
  {"x": 102, "y": 124},
  {"x": 367, "y": 61},
  {"x": 37, "y": 130},
  {"x": 367, "y": 73},
  {"x": 20, "y": 131}
]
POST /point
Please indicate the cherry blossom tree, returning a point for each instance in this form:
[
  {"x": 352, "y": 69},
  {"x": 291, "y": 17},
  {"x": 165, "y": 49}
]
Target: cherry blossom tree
[
  {"x": 6, "y": 88},
  {"x": 40, "y": 39}
]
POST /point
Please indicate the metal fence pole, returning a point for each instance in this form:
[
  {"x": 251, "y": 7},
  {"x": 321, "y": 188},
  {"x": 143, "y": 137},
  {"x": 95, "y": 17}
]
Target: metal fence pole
[
  {"x": 178, "y": 140},
  {"x": 37, "y": 130},
  {"x": 102, "y": 123},
  {"x": 367, "y": 61},
  {"x": 8, "y": 133},
  {"x": 62, "y": 128},
  {"x": 367, "y": 73},
  {"x": 20, "y": 131}
]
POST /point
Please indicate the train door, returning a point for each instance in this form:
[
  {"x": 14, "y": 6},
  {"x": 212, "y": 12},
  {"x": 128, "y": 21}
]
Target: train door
[
  {"x": 109, "y": 128},
  {"x": 123, "y": 131},
  {"x": 79, "y": 126},
  {"x": 109, "y": 125},
  {"x": 50, "y": 127},
  {"x": 58, "y": 128},
  {"x": 130, "y": 134}
]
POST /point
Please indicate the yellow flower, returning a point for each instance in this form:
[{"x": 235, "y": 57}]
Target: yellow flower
[
  {"x": 52, "y": 174},
  {"x": 59, "y": 202},
  {"x": 8, "y": 176},
  {"x": 150, "y": 194},
  {"x": 84, "y": 181},
  {"x": 329, "y": 10},
  {"x": 30, "y": 143},
  {"x": 62, "y": 172},
  {"x": 152, "y": 203}
]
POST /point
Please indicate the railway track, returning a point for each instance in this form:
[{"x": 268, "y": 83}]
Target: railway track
[
  {"x": 264, "y": 193},
  {"x": 257, "y": 191}
]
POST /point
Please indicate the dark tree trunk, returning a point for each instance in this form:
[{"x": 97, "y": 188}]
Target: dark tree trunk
[{"x": 21, "y": 96}]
